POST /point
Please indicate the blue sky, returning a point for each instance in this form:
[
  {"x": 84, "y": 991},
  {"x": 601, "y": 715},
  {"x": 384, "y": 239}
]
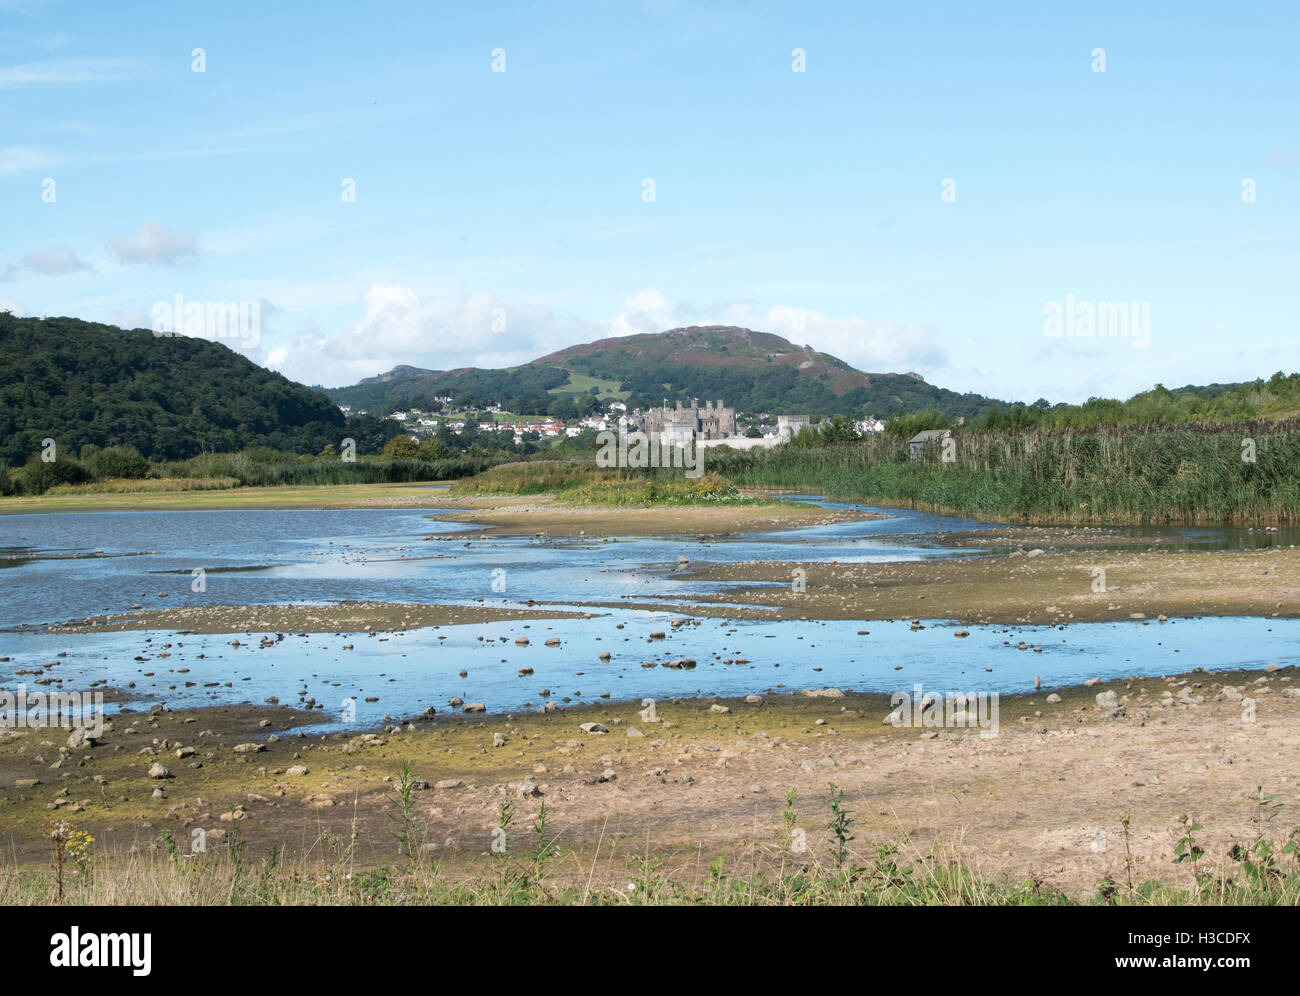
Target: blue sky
[{"x": 803, "y": 203}]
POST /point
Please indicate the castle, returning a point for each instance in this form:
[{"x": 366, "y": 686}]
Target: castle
[{"x": 682, "y": 424}]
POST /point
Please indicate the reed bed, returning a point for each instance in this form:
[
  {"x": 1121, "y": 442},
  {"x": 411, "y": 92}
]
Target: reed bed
[{"x": 1226, "y": 474}]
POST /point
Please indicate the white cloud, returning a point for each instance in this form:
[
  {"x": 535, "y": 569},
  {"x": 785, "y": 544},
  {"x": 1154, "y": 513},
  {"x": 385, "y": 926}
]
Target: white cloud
[
  {"x": 443, "y": 334},
  {"x": 50, "y": 263},
  {"x": 156, "y": 243}
]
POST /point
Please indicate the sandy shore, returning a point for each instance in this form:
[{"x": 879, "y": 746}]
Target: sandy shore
[
  {"x": 543, "y": 515},
  {"x": 1022, "y": 588},
  {"x": 339, "y": 617},
  {"x": 1043, "y": 798}
]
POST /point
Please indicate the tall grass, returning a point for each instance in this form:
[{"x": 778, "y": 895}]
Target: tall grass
[
  {"x": 584, "y": 482},
  {"x": 1157, "y": 474},
  {"x": 836, "y": 869}
]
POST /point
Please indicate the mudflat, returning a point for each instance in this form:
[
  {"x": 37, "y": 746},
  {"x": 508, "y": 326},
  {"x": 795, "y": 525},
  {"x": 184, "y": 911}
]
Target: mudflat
[{"x": 1045, "y": 798}]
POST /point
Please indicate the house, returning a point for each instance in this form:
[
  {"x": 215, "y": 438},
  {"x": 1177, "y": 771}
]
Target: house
[{"x": 921, "y": 440}]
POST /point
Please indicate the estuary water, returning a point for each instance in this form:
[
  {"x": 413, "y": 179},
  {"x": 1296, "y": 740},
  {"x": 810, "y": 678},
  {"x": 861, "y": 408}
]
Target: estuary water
[{"x": 56, "y": 567}]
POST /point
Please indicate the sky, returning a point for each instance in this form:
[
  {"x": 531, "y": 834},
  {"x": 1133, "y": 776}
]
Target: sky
[{"x": 949, "y": 189}]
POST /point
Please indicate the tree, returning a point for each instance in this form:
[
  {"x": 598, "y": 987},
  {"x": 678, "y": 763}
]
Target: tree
[{"x": 401, "y": 448}]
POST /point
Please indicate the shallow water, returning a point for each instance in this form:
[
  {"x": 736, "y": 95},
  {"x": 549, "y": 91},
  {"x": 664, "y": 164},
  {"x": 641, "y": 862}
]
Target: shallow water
[
  {"x": 64, "y": 566},
  {"x": 410, "y": 670}
]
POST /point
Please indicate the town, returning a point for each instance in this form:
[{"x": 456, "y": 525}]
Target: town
[{"x": 712, "y": 424}]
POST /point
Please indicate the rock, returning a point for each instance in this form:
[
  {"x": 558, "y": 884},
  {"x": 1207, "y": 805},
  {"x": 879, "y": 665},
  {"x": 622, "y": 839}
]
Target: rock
[
  {"x": 1092, "y": 683},
  {"x": 1291, "y": 693},
  {"x": 429, "y": 713},
  {"x": 1053, "y": 698},
  {"x": 157, "y": 770},
  {"x": 81, "y": 737},
  {"x": 822, "y": 693},
  {"x": 26, "y": 783},
  {"x": 475, "y": 707},
  {"x": 593, "y": 728},
  {"x": 1107, "y": 700},
  {"x": 528, "y": 789},
  {"x": 296, "y": 771},
  {"x": 754, "y": 699},
  {"x": 525, "y": 671},
  {"x": 248, "y": 748},
  {"x": 498, "y": 740},
  {"x": 719, "y": 708},
  {"x": 608, "y": 775},
  {"x": 184, "y": 752},
  {"x": 962, "y": 633},
  {"x": 159, "y": 794},
  {"x": 449, "y": 783},
  {"x": 553, "y": 641},
  {"x": 632, "y": 731},
  {"x": 455, "y": 702}
]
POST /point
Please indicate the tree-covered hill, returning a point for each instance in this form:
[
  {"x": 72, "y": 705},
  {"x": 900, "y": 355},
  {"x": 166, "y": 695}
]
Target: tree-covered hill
[
  {"x": 751, "y": 371},
  {"x": 170, "y": 397}
]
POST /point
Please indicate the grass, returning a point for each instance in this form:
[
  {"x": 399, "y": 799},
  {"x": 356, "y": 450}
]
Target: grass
[
  {"x": 1157, "y": 474},
  {"x": 315, "y": 496},
  {"x": 582, "y": 482},
  {"x": 812, "y": 866},
  {"x": 582, "y": 384}
]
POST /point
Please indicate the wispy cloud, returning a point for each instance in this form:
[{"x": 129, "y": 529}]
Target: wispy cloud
[
  {"x": 20, "y": 158},
  {"x": 63, "y": 71}
]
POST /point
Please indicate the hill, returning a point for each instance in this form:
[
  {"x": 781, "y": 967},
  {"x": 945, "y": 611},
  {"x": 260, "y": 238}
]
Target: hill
[
  {"x": 83, "y": 383},
  {"x": 752, "y": 371}
]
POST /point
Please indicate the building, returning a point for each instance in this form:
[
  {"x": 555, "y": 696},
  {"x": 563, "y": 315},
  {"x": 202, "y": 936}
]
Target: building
[
  {"x": 681, "y": 424},
  {"x": 789, "y": 426},
  {"x": 921, "y": 440}
]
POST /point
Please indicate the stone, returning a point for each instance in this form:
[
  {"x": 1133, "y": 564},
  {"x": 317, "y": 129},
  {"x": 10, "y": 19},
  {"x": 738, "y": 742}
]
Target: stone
[
  {"x": 822, "y": 693},
  {"x": 1107, "y": 700},
  {"x": 81, "y": 737},
  {"x": 593, "y": 728},
  {"x": 475, "y": 707},
  {"x": 296, "y": 771},
  {"x": 248, "y": 748},
  {"x": 1053, "y": 698},
  {"x": 449, "y": 783},
  {"x": 157, "y": 770}
]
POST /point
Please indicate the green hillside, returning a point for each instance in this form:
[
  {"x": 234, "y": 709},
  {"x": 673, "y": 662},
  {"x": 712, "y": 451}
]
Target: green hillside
[{"x": 82, "y": 383}]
